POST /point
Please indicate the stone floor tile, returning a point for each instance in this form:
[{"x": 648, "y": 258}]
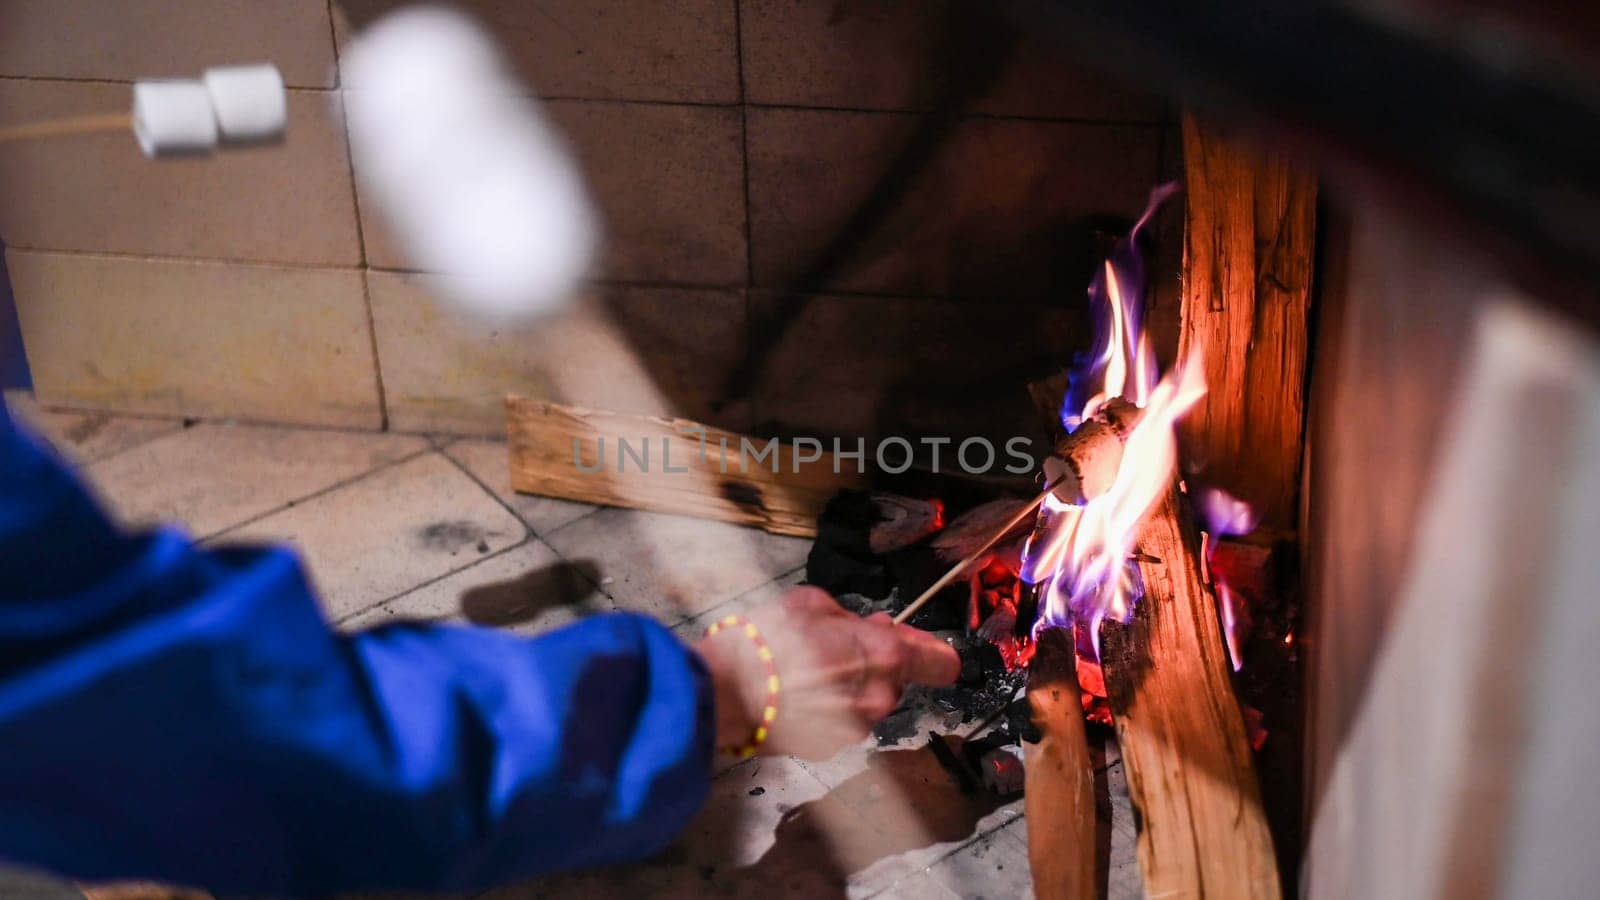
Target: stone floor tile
[
  {"x": 674, "y": 567},
  {"x": 528, "y": 590},
  {"x": 906, "y": 795},
  {"x": 383, "y": 535},
  {"x": 690, "y": 629},
  {"x": 743, "y": 843},
  {"x": 486, "y": 460},
  {"x": 214, "y": 476},
  {"x": 29, "y": 884},
  {"x": 994, "y": 865},
  {"x": 901, "y": 792},
  {"x": 85, "y": 437},
  {"x": 918, "y": 716}
]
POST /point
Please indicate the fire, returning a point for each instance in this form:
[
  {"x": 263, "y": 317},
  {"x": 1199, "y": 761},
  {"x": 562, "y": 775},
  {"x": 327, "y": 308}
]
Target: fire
[
  {"x": 1224, "y": 515},
  {"x": 1079, "y": 556}
]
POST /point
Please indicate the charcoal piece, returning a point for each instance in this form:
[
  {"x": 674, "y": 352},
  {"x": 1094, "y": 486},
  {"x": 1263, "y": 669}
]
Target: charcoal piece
[
  {"x": 839, "y": 573},
  {"x": 1027, "y": 610},
  {"x": 902, "y": 723},
  {"x": 914, "y": 570},
  {"x": 1019, "y": 719},
  {"x": 952, "y": 764},
  {"x": 841, "y": 561},
  {"x": 972, "y": 669},
  {"x": 863, "y": 605},
  {"x": 846, "y": 523}
]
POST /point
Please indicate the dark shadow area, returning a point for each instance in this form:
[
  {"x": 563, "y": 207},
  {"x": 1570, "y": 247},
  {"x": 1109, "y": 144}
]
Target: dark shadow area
[
  {"x": 904, "y": 801},
  {"x": 524, "y": 598},
  {"x": 976, "y": 48},
  {"x": 13, "y": 361},
  {"x": 1102, "y": 818}
]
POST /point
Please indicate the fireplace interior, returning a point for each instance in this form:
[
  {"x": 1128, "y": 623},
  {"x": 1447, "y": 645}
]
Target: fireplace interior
[{"x": 1224, "y": 387}]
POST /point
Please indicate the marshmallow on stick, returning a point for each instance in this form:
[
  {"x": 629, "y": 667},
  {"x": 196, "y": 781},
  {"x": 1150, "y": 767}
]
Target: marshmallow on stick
[
  {"x": 235, "y": 104},
  {"x": 463, "y": 167},
  {"x": 170, "y": 117}
]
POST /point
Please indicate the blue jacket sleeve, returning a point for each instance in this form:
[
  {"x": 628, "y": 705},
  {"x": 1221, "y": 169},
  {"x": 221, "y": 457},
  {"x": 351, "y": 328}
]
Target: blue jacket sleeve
[{"x": 186, "y": 715}]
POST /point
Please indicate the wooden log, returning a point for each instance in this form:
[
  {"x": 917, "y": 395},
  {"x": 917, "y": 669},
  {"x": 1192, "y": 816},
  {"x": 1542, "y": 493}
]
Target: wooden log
[
  {"x": 671, "y": 465},
  {"x": 1248, "y": 250},
  {"x": 1190, "y": 776},
  {"x": 904, "y": 521},
  {"x": 1059, "y": 795}
]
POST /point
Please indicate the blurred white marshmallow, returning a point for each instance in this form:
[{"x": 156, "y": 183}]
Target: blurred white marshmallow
[
  {"x": 248, "y": 101},
  {"x": 465, "y": 170},
  {"x": 171, "y": 117}
]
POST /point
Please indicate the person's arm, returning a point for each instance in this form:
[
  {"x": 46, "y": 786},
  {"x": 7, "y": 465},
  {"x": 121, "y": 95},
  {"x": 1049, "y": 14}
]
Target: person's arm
[
  {"x": 180, "y": 714},
  {"x": 186, "y": 715}
]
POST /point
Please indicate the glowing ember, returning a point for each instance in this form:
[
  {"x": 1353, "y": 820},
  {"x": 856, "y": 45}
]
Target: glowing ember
[
  {"x": 1079, "y": 556},
  {"x": 1226, "y": 515}
]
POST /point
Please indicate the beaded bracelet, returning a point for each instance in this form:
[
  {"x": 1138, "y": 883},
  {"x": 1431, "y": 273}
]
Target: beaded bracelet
[{"x": 769, "y": 709}]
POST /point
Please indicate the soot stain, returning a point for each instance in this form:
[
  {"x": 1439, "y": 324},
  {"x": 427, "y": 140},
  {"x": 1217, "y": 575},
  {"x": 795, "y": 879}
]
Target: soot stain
[
  {"x": 743, "y": 494},
  {"x": 450, "y": 537},
  {"x": 87, "y": 429}
]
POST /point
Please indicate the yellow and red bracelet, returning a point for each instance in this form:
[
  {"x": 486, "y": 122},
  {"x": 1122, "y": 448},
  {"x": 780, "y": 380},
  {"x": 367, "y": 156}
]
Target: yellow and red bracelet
[{"x": 769, "y": 709}]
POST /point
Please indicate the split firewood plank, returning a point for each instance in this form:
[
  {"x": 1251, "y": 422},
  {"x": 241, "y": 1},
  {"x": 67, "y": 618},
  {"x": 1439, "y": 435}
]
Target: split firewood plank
[
  {"x": 1184, "y": 748},
  {"x": 670, "y": 465},
  {"x": 1058, "y": 798},
  {"x": 1248, "y": 247}
]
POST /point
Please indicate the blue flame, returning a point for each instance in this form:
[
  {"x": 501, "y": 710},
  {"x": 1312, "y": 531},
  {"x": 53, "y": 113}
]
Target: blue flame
[{"x": 1086, "y": 376}]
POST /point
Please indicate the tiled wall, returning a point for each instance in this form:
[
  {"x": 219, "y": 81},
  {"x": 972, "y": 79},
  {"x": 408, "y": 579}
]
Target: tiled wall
[{"x": 842, "y": 216}]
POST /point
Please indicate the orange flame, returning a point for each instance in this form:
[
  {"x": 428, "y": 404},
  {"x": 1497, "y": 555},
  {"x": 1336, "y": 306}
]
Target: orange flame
[{"x": 1081, "y": 553}]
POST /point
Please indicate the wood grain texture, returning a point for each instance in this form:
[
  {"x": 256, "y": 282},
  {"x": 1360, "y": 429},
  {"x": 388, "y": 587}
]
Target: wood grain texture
[
  {"x": 551, "y": 446},
  {"x": 1247, "y": 267},
  {"x": 1190, "y": 776},
  {"x": 1059, "y": 795}
]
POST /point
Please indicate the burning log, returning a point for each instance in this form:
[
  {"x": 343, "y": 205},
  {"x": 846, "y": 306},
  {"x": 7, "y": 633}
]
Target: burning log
[
  {"x": 1184, "y": 746},
  {"x": 1203, "y": 830},
  {"x": 1059, "y": 794}
]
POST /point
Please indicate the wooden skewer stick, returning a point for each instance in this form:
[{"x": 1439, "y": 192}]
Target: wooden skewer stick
[
  {"x": 956, "y": 570},
  {"x": 92, "y": 124}
]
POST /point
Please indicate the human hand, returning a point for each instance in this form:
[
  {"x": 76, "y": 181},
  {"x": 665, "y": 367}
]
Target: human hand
[{"x": 840, "y": 673}]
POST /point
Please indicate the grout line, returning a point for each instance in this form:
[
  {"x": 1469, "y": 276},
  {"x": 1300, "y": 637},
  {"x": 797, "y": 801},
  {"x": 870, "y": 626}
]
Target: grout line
[
  {"x": 361, "y": 230},
  {"x": 532, "y": 532},
  {"x": 80, "y": 463},
  {"x": 744, "y": 160},
  {"x": 289, "y": 265},
  {"x": 963, "y": 117},
  {"x": 79, "y": 79},
  {"x": 223, "y": 532},
  {"x": 149, "y": 441},
  {"x": 644, "y": 101},
  {"x": 992, "y": 832},
  {"x": 717, "y": 610},
  {"x": 493, "y": 495},
  {"x": 860, "y": 110},
  {"x": 221, "y": 421},
  {"x": 372, "y": 342},
  {"x": 333, "y": 49},
  {"x": 641, "y": 284}
]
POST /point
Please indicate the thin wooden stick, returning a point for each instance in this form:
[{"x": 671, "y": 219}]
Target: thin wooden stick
[
  {"x": 956, "y": 570},
  {"x": 93, "y": 124}
]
